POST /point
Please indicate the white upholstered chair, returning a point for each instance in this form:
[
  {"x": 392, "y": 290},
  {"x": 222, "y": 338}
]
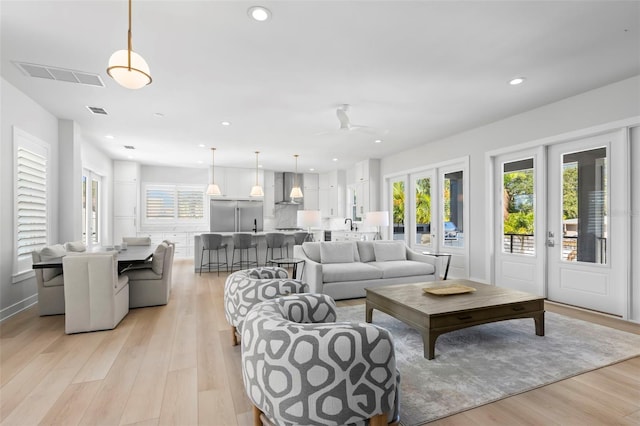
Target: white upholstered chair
[
  {"x": 137, "y": 241},
  {"x": 150, "y": 284},
  {"x": 96, "y": 298},
  {"x": 50, "y": 281}
]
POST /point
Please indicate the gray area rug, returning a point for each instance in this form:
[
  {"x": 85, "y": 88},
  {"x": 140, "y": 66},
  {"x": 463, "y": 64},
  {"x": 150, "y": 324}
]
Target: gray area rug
[{"x": 482, "y": 364}]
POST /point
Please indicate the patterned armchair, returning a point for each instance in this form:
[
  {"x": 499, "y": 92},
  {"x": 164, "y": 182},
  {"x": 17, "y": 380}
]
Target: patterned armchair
[
  {"x": 245, "y": 288},
  {"x": 300, "y": 367}
]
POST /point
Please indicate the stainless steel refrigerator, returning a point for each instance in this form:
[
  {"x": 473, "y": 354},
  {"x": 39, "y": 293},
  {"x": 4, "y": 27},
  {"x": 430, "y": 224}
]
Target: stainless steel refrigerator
[{"x": 235, "y": 216}]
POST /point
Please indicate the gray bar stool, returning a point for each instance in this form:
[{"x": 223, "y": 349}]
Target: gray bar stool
[
  {"x": 243, "y": 242},
  {"x": 213, "y": 242},
  {"x": 275, "y": 240},
  {"x": 298, "y": 239}
]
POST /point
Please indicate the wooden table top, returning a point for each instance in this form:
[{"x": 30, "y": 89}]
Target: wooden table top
[{"x": 412, "y": 296}]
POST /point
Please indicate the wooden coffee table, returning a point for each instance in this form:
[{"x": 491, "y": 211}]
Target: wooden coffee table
[{"x": 435, "y": 315}]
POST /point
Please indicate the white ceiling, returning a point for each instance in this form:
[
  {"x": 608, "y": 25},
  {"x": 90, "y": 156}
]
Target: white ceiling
[{"x": 416, "y": 71}]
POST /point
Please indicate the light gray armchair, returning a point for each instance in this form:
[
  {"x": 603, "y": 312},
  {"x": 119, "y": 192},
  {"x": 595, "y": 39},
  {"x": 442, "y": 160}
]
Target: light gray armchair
[
  {"x": 150, "y": 284},
  {"x": 300, "y": 367},
  {"x": 96, "y": 298}
]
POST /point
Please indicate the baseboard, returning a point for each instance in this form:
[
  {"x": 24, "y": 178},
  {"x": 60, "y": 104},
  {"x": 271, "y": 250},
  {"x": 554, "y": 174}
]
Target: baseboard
[{"x": 17, "y": 307}]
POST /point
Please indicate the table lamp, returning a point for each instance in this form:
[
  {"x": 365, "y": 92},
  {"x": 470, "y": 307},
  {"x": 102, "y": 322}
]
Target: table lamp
[
  {"x": 308, "y": 219},
  {"x": 377, "y": 219}
]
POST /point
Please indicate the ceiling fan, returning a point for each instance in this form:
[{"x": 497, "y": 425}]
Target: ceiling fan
[{"x": 347, "y": 126}]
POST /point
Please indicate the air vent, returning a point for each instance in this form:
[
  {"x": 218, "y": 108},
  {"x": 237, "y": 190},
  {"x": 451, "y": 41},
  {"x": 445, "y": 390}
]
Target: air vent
[
  {"x": 129, "y": 147},
  {"x": 60, "y": 74},
  {"x": 97, "y": 110}
]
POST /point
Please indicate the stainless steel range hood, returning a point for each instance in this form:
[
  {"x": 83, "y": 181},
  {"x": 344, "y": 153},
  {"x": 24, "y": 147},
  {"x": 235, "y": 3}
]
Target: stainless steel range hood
[{"x": 283, "y": 183}]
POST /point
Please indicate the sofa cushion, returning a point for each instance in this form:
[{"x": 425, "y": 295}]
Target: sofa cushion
[
  {"x": 390, "y": 250},
  {"x": 365, "y": 251},
  {"x": 312, "y": 250},
  {"x": 355, "y": 271},
  {"x": 337, "y": 252},
  {"x": 48, "y": 253},
  {"x": 76, "y": 246},
  {"x": 402, "y": 268},
  {"x": 157, "y": 261}
]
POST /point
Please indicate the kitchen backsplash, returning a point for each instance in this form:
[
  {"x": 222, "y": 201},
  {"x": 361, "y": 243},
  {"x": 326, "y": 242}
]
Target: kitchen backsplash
[{"x": 286, "y": 215}]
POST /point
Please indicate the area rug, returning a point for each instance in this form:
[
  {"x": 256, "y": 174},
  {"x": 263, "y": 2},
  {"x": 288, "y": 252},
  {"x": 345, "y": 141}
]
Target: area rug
[{"x": 485, "y": 363}]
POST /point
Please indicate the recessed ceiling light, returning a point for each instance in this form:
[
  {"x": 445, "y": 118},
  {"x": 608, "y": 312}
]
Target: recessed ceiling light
[
  {"x": 378, "y": 141},
  {"x": 259, "y": 13},
  {"x": 158, "y": 114},
  {"x": 201, "y": 145},
  {"x": 312, "y": 169},
  {"x": 225, "y": 123},
  {"x": 199, "y": 161},
  {"x": 335, "y": 159},
  {"x": 516, "y": 81},
  {"x": 109, "y": 137}
]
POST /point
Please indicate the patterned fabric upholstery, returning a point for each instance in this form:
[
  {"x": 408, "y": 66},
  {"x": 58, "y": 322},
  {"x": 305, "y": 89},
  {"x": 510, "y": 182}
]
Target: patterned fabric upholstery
[
  {"x": 245, "y": 288},
  {"x": 300, "y": 367}
]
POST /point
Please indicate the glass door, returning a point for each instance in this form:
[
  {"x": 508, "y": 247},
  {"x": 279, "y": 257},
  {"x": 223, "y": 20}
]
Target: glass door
[
  {"x": 423, "y": 210},
  {"x": 398, "y": 192},
  {"x": 91, "y": 187}
]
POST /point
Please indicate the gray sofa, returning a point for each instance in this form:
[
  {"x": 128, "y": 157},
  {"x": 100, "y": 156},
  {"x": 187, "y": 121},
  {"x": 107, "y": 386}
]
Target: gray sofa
[{"x": 343, "y": 269}]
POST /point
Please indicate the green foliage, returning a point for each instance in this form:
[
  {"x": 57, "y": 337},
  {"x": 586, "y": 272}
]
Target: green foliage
[
  {"x": 519, "y": 223},
  {"x": 398, "y": 202},
  {"x": 570, "y": 191},
  {"x": 423, "y": 200},
  {"x": 518, "y": 185}
]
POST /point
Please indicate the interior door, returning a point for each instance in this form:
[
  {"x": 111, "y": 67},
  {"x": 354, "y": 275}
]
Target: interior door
[
  {"x": 587, "y": 235},
  {"x": 519, "y": 221}
]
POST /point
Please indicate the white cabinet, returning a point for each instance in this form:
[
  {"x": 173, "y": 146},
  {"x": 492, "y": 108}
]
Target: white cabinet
[
  {"x": 180, "y": 240},
  {"x": 125, "y": 199},
  {"x": 352, "y": 236},
  {"x": 311, "y": 191},
  {"x": 365, "y": 188},
  {"x": 332, "y": 194}
]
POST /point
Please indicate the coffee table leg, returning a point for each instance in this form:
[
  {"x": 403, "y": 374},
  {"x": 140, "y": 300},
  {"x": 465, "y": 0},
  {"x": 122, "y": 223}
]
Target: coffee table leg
[
  {"x": 368, "y": 313},
  {"x": 539, "y": 319},
  {"x": 429, "y": 342}
]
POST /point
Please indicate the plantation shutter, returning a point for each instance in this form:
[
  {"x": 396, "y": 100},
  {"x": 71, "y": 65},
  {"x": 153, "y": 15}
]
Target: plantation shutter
[
  {"x": 190, "y": 204},
  {"x": 31, "y": 200},
  {"x": 161, "y": 202}
]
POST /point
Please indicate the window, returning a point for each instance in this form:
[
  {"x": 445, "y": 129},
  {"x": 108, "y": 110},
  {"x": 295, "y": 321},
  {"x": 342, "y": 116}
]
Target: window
[
  {"x": 91, "y": 184},
  {"x": 452, "y": 209},
  {"x": 30, "y": 168},
  {"x": 518, "y": 221},
  {"x": 174, "y": 202},
  {"x": 398, "y": 194}
]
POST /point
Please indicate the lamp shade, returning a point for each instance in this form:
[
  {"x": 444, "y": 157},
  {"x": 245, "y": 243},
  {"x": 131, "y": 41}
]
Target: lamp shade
[
  {"x": 256, "y": 191},
  {"x": 309, "y": 218},
  {"x": 134, "y": 77},
  {"x": 377, "y": 218},
  {"x": 296, "y": 192},
  {"x": 213, "y": 189}
]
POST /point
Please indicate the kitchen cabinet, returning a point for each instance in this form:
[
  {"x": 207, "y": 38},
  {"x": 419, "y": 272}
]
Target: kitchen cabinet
[
  {"x": 269, "y": 193},
  {"x": 311, "y": 191},
  {"x": 331, "y": 195},
  {"x": 365, "y": 188},
  {"x": 239, "y": 181},
  {"x": 352, "y": 236},
  {"x": 126, "y": 176}
]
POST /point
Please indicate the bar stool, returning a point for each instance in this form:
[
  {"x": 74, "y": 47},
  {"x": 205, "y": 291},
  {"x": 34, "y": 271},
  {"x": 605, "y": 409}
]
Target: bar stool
[
  {"x": 298, "y": 239},
  {"x": 275, "y": 240},
  {"x": 243, "y": 242},
  {"x": 213, "y": 242}
]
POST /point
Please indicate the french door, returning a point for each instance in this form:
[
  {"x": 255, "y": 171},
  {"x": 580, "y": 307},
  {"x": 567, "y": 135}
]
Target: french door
[
  {"x": 91, "y": 189},
  {"x": 587, "y": 232},
  {"x": 559, "y": 227}
]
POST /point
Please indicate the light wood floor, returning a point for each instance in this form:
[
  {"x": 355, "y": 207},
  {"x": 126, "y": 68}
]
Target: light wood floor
[{"x": 175, "y": 365}]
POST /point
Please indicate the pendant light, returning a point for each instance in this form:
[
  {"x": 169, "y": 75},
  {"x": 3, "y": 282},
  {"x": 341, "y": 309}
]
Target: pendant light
[
  {"x": 257, "y": 191},
  {"x": 128, "y": 68},
  {"x": 213, "y": 189},
  {"x": 296, "y": 192}
]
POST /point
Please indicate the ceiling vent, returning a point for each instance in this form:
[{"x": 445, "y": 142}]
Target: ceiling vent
[
  {"x": 60, "y": 74},
  {"x": 129, "y": 147},
  {"x": 97, "y": 110}
]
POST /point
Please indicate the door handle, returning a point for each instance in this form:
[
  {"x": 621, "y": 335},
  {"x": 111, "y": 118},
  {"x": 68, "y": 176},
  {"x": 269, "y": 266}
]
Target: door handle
[{"x": 551, "y": 242}]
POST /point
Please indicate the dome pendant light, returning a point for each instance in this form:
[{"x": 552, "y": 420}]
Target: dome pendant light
[
  {"x": 213, "y": 189},
  {"x": 128, "y": 68},
  {"x": 257, "y": 191},
  {"x": 296, "y": 192}
]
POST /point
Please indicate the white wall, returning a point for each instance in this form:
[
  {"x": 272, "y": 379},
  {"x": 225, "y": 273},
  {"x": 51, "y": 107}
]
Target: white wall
[
  {"x": 614, "y": 102},
  {"x": 16, "y": 109},
  {"x": 176, "y": 175},
  {"x": 99, "y": 163}
]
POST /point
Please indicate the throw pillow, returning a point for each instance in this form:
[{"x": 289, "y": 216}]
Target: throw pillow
[
  {"x": 77, "y": 246},
  {"x": 48, "y": 253},
  {"x": 337, "y": 252},
  {"x": 365, "y": 249},
  {"x": 157, "y": 261},
  {"x": 389, "y": 250}
]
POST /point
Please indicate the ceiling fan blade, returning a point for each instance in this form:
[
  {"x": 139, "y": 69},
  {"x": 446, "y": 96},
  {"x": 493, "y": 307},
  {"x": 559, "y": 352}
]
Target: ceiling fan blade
[{"x": 343, "y": 118}]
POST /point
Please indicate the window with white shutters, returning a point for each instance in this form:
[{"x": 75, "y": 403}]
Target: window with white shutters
[
  {"x": 31, "y": 202},
  {"x": 165, "y": 203}
]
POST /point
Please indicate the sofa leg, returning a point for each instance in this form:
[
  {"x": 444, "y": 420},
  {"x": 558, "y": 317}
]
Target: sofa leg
[
  {"x": 378, "y": 420},
  {"x": 234, "y": 336},
  {"x": 256, "y": 416}
]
